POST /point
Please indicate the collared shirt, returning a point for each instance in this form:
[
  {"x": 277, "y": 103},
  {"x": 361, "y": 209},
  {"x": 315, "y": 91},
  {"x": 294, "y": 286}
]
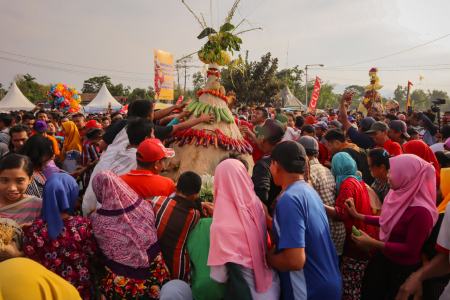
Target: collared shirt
[
  {"x": 393, "y": 148},
  {"x": 325, "y": 185},
  {"x": 174, "y": 220},
  {"x": 148, "y": 184}
]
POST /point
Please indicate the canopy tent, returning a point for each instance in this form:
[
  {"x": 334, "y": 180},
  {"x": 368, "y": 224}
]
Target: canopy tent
[
  {"x": 15, "y": 100},
  {"x": 288, "y": 99},
  {"x": 102, "y": 100}
]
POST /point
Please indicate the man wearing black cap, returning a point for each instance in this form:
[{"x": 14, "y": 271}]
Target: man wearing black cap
[
  {"x": 397, "y": 132},
  {"x": 379, "y": 132},
  {"x": 413, "y": 134},
  {"x": 357, "y": 137},
  {"x": 270, "y": 134},
  {"x": 300, "y": 229}
]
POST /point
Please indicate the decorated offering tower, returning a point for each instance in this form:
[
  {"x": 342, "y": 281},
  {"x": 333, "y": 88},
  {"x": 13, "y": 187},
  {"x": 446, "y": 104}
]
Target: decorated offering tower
[{"x": 200, "y": 148}]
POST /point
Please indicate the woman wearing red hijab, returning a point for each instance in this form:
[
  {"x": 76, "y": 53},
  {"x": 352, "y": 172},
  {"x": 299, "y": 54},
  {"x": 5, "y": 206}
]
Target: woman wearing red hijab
[
  {"x": 310, "y": 120},
  {"x": 423, "y": 151}
]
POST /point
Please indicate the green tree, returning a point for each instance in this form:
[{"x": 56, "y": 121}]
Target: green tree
[
  {"x": 400, "y": 95},
  {"x": 2, "y": 91},
  {"x": 34, "y": 91},
  {"x": 94, "y": 84},
  {"x": 198, "y": 81},
  {"x": 257, "y": 84},
  {"x": 418, "y": 99},
  {"x": 293, "y": 79},
  {"x": 141, "y": 93}
]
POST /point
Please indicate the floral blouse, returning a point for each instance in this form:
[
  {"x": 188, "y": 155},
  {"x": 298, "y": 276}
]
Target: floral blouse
[{"x": 68, "y": 255}]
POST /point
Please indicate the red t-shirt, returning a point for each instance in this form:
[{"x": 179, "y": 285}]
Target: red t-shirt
[
  {"x": 392, "y": 147},
  {"x": 148, "y": 184},
  {"x": 257, "y": 153}
]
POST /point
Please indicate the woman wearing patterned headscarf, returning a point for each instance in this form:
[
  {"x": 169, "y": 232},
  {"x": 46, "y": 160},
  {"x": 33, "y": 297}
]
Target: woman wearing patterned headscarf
[{"x": 125, "y": 230}]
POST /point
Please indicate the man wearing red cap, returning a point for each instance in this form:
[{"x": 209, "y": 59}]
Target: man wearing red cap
[{"x": 145, "y": 180}]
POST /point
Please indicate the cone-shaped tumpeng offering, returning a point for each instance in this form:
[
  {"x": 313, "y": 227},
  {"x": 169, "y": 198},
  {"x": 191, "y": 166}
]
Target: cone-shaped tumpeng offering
[{"x": 200, "y": 148}]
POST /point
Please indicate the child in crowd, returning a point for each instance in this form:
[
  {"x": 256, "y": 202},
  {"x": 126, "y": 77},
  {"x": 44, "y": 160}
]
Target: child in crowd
[
  {"x": 175, "y": 218},
  {"x": 145, "y": 180}
]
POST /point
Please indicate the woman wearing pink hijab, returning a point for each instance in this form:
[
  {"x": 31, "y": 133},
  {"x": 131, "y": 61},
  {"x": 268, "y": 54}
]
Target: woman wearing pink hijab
[
  {"x": 408, "y": 215},
  {"x": 239, "y": 232}
]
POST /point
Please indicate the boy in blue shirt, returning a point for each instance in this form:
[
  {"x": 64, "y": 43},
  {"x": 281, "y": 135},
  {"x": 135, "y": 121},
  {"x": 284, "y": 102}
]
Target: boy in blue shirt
[{"x": 305, "y": 255}]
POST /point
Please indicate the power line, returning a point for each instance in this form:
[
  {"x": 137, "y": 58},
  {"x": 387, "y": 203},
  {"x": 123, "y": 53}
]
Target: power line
[
  {"x": 405, "y": 70},
  {"x": 391, "y": 67},
  {"x": 394, "y": 53},
  {"x": 72, "y": 71},
  {"x": 79, "y": 66},
  {"x": 326, "y": 77}
]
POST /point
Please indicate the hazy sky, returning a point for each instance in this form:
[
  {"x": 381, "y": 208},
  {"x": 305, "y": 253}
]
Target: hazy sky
[{"x": 121, "y": 35}]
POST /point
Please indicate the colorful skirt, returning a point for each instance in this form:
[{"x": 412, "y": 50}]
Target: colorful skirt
[
  {"x": 352, "y": 271},
  {"x": 120, "y": 287}
]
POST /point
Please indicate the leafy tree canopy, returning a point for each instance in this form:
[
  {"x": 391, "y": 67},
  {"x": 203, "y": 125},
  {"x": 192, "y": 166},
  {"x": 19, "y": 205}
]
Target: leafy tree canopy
[{"x": 257, "y": 84}]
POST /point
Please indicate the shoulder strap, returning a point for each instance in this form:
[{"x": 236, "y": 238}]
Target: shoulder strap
[{"x": 23, "y": 201}]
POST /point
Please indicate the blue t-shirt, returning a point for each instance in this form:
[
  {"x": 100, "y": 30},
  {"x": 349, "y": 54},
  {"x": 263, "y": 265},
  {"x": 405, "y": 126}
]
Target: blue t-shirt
[{"x": 300, "y": 221}]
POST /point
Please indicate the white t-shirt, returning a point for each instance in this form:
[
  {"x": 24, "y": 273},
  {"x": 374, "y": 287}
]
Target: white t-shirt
[
  {"x": 443, "y": 241},
  {"x": 107, "y": 158},
  {"x": 291, "y": 134},
  {"x": 437, "y": 147}
]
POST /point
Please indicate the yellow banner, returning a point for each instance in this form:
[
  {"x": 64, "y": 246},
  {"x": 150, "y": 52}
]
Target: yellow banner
[{"x": 163, "y": 75}]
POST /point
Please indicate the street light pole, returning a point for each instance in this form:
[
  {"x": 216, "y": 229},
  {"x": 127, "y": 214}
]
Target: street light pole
[{"x": 306, "y": 82}]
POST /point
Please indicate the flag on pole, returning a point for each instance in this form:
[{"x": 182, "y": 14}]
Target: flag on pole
[
  {"x": 180, "y": 99},
  {"x": 408, "y": 93},
  {"x": 124, "y": 110},
  {"x": 315, "y": 95}
]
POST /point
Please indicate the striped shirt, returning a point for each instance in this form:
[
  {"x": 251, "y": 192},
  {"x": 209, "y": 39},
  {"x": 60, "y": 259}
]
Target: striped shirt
[
  {"x": 175, "y": 218},
  {"x": 28, "y": 213}
]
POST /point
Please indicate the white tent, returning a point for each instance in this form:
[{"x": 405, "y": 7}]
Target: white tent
[
  {"x": 102, "y": 100},
  {"x": 15, "y": 100},
  {"x": 288, "y": 99}
]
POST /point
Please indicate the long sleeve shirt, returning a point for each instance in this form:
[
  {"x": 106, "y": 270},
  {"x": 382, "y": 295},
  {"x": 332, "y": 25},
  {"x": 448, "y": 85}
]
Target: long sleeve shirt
[{"x": 407, "y": 236}]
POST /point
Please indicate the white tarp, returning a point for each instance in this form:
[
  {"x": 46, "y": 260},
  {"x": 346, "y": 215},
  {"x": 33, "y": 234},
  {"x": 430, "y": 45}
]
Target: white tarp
[
  {"x": 288, "y": 99},
  {"x": 15, "y": 100},
  {"x": 102, "y": 100}
]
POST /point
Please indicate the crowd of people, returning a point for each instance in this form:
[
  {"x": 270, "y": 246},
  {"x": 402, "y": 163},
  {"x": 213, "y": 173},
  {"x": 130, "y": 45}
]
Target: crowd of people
[{"x": 339, "y": 206}]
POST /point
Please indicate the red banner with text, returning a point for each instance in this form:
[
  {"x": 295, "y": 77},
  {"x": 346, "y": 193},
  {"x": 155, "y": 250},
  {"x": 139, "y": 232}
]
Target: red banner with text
[{"x": 315, "y": 95}]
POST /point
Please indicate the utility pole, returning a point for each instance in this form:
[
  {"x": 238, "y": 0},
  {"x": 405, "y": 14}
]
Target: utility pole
[{"x": 183, "y": 64}]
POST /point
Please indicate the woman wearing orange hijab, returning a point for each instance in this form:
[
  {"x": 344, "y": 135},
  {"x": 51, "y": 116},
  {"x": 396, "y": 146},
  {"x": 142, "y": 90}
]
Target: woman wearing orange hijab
[{"x": 72, "y": 148}]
